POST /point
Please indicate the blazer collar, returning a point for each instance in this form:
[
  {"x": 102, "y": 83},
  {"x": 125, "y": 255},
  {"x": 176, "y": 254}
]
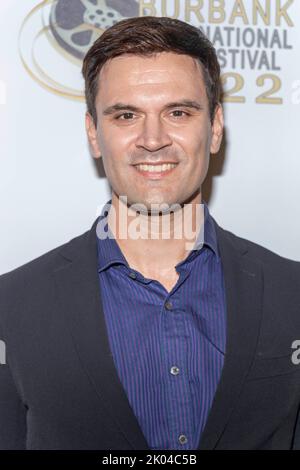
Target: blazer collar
[{"x": 78, "y": 291}]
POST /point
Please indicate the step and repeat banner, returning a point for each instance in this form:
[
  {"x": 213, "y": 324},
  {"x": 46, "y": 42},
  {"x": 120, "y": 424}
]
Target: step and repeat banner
[{"x": 51, "y": 189}]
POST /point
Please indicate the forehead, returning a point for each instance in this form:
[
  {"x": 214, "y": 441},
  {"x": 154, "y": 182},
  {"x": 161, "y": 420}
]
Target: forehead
[{"x": 142, "y": 76}]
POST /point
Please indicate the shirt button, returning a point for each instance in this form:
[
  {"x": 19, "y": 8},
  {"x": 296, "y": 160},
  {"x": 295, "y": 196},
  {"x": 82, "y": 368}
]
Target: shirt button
[
  {"x": 182, "y": 439},
  {"x": 132, "y": 275},
  {"x": 168, "y": 305},
  {"x": 174, "y": 370}
]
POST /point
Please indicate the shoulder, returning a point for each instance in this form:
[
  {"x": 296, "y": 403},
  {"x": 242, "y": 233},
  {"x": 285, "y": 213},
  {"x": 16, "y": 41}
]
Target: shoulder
[
  {"x": 270, "y": 261},
  {"x": 39, "y": 265},
  {"x": 275, "y": 287},
  {"x": 28, "y": 286}
]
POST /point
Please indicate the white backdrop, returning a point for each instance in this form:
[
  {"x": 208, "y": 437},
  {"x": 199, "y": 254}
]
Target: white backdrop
[{"x": 50, "y": 188}]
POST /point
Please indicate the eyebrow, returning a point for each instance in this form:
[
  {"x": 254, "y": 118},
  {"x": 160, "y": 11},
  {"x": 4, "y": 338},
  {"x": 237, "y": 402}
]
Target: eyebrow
[{"x": 176, "y": 104}]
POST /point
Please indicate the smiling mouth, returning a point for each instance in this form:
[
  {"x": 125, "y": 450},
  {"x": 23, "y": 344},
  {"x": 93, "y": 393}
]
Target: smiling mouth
[{"x": 155, "y": 171}]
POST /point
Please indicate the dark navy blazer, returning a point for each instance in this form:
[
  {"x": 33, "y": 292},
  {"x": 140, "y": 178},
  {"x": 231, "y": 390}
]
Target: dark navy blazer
[{"x": 59, "y": 388}]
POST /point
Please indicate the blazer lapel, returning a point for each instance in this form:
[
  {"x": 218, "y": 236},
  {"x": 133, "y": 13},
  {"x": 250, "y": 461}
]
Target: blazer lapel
[
  {"x": 79, "y": 299},
  {"x": 243, "y": 290}
]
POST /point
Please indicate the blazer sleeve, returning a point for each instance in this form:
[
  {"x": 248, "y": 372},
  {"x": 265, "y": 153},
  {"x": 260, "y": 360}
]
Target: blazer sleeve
[{"x": 12, "y": 409}]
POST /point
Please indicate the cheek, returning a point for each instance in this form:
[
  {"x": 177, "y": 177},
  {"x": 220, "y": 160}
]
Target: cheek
[
  {"x": 115, "y": 142},
  {"x": 196, "y": 148},
  {"x": 202, "y": 143},
  {"x": 114, "y": 149},
  {"x": 193, "y": 136}
]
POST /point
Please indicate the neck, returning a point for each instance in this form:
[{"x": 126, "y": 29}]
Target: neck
[{"x": 154, "y": 243}]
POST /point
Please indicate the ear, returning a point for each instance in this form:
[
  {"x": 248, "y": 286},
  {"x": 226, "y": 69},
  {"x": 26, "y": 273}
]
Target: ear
[
  {"x": 217, "y": 129},
  {"x": 92, "y": 135}
]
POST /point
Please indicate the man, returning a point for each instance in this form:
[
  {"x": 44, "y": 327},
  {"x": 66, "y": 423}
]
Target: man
[{"x": 118, "y": 341}]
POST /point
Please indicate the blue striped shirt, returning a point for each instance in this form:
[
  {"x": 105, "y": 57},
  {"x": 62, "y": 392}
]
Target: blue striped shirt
[{"x": 168, "y": 347}]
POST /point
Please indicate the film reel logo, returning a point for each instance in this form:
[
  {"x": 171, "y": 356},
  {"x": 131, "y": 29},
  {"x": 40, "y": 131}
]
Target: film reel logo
[{"x": 56, "y": 34}]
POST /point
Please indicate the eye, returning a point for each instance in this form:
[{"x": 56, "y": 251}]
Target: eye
[
  {"x": 124, "y": 114},
  {"x": 180, "y": 111}
]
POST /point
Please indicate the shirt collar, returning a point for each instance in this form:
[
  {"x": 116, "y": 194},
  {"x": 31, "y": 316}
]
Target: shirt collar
[{"x": 109, "y": 252}]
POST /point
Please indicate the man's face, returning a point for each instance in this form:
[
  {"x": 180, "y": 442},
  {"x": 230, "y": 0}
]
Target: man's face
[{"x": 162, "y": 116}]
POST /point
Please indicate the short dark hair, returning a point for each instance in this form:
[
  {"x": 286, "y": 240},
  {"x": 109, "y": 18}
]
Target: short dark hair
[{"x": 146, "y": 36}]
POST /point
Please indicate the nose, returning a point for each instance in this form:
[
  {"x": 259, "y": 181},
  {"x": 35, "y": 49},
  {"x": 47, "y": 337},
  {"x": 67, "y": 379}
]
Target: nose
[{"x": 153, "y": 134}]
